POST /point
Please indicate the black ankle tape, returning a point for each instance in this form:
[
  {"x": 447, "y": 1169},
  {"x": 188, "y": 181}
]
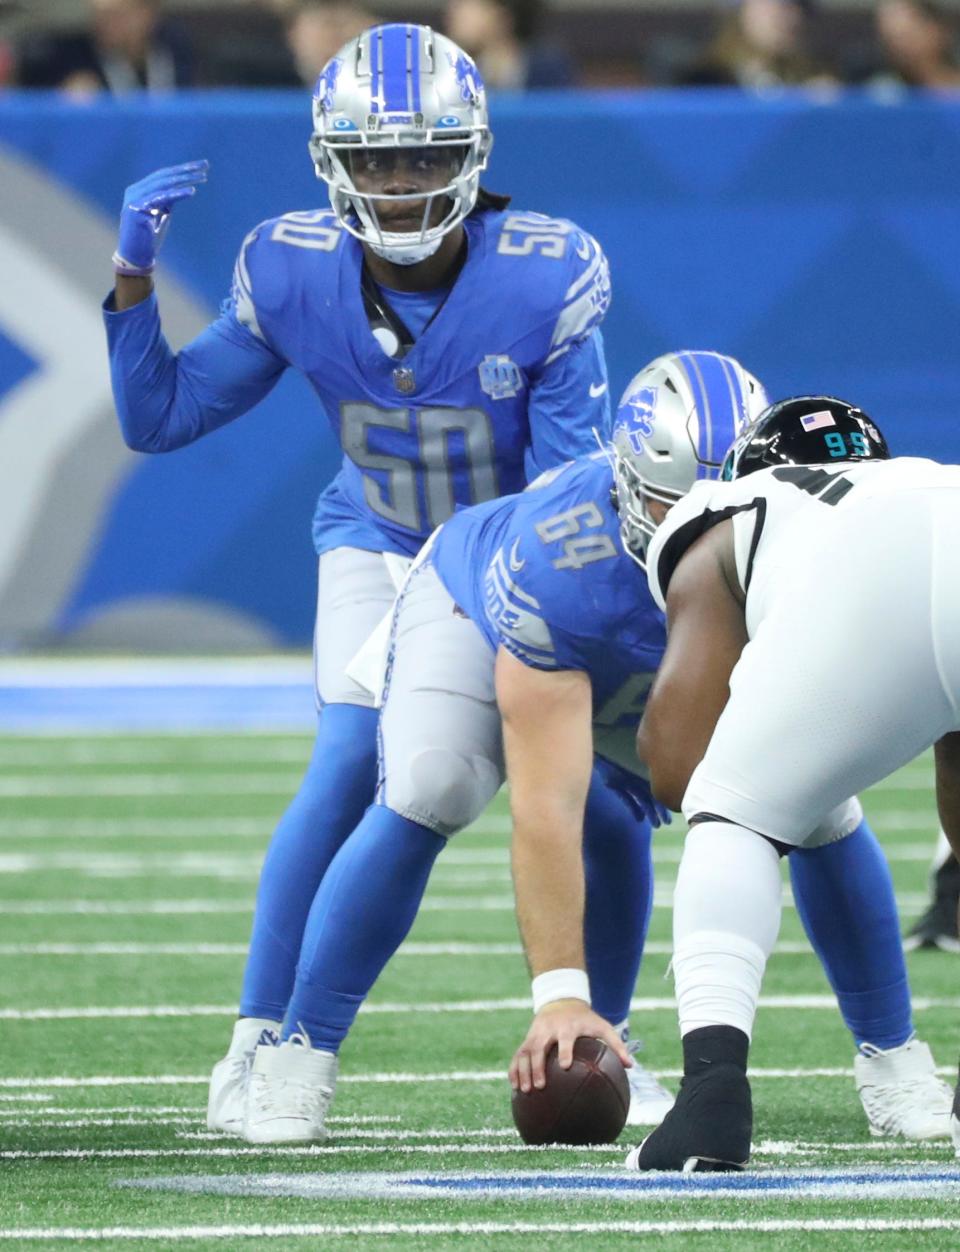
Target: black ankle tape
[{"x": 714, "y": 1045}]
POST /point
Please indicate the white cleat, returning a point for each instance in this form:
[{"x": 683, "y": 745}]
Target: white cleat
[
  {"x": 227, "y": 1097},
  {"x": 901, "y": 1093},
  {"x": 290, "y": 1092},
  {"x": 650, "y": 1101}
]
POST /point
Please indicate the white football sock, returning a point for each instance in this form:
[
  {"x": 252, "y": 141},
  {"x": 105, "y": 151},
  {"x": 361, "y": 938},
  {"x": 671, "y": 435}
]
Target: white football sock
[{"x": 726, "y": 915}]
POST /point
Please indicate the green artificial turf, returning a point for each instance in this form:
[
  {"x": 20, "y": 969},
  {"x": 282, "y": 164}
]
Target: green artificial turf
[{"x": 146, "y": 843}]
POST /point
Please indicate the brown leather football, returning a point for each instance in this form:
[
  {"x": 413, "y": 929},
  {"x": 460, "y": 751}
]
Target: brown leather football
[{"x": 586, "y": 1103}]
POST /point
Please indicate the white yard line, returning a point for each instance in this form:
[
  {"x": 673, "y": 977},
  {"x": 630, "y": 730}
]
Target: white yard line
[
  {"x": 663, "y": 899},
  {"x": 506, "y": 1005},
  {"x": 134, "y": 827},
  {"x": 134, "y": 865},
  {"x": 399, "y": 1077},
  {"x": 122, "y": 908},
  {"x": 350, "y": 1129},
  {"x": 231, "y": 750},
  {"x": 151, "y": 1115},
  {"x": 787, "y": 947},
  {"x": 906, "y": 782},
  {"x": 922, "y": 819},
  {"x": 260, "y": 828},
  {"x": 317, "y": 1230},
  {"x": 204, "y": 907},
  {"x": 202, "y": 828},
  {"x": 130, "y": 671},
  {"x": 313, "y": 1150},
  {"x": 45, "y": 786},
  {"x": 85, "y": 1123},
  {"x": 198, "y": 1116},
  {"x": 394, "y": 1134},
  {"x": 107, "y": 949},
  {"x": 667, "y": 846},
  {"x": 212, "y": 907},
  {"x": 466, "y": 870},
  {"x": 123, "y": 949}
]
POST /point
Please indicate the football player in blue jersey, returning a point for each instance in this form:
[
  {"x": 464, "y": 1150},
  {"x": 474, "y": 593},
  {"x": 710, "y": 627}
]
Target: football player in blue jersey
[
  {"x": 524, "y": 642},
  {"x": 441, "y": 744},
  {"x": 453, "y": 346}
]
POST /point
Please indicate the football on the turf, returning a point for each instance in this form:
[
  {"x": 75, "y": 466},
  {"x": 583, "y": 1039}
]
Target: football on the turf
[{"x": 586, "y": 1103}]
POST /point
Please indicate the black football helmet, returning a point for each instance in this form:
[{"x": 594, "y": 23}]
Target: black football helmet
[{"x": 805, "y": 430}]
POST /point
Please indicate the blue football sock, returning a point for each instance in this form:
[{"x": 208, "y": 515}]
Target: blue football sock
[
  {"x": 365, "y": 906},
  {"x": 339, "y": 784},
  {"x": 619, "y": 881},
  {"x": 844, "y": 895}
]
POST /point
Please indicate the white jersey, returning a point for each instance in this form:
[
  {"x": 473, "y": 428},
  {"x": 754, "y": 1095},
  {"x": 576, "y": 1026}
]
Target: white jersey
[
  {"x": 780, "y": 514},
  {"x": 853, "y": 613}
]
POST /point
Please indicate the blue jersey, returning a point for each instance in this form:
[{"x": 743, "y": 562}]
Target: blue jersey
[
  {"x": 545, "y": 575},
  {"x": 506, "y": 379}
]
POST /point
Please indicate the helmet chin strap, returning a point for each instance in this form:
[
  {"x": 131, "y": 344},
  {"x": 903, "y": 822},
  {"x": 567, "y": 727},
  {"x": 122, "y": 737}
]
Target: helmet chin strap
[{"x": 406, "y": 253}]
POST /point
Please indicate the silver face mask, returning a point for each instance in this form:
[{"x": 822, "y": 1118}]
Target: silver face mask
[
  {"x": 403, "y": 90},
  {"x": 674, "y": 424}
]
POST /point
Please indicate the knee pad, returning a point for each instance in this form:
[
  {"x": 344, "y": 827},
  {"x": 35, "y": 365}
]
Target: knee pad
[{"x": 442, "y": 790}]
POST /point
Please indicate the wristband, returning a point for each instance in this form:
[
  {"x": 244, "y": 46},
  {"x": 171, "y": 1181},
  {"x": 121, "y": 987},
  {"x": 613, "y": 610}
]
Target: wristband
[
  {"x": 124, "y": 267},
  {"x": 560, "y": 984}
]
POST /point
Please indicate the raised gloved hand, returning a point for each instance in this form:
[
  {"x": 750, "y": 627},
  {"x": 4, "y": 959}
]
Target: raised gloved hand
[
  {"x": 146, "y": 214},
  {"x": 635, "y": 790}
]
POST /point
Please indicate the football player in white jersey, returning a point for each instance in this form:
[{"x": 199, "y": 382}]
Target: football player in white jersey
[{"x": 789, "y": 682}]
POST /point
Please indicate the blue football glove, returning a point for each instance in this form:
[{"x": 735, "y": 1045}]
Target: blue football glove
[
  {"x": 146, "y": 214},
  {"x": 635, "y": 790}
]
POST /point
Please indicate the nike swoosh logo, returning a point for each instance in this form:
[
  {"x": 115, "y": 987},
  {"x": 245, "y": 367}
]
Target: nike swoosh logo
[
  {"x": 597, "y": 390},
  {"x": 515, "y": 563}
]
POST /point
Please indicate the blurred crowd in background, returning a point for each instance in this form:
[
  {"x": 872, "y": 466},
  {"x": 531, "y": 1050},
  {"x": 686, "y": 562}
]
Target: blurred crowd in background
[{"x": 758, "y": 45}]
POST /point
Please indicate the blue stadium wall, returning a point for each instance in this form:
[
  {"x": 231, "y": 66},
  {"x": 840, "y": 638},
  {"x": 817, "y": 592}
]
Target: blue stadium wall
[{"x": 818, "y": 242}]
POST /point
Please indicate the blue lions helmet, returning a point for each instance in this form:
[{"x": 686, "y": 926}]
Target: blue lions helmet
[
  {"x": 401, "y": 86},
  {"x": 674, "y": 424}
]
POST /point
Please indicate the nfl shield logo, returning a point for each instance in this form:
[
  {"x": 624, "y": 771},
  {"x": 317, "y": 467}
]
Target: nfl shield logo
[
  {"x": 500, "y": 378},
  {"x": 404, "y": 380}
]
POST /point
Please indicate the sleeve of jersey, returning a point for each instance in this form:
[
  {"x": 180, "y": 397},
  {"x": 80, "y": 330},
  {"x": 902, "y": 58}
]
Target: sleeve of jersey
[
  {"x": 587, "y": 297},
  {"x": 704, "y": 506},
  {"x": 168, "y": 399},
  {"x": 568, "y": 401},
  {"x": 672, "y": 538},
  {"x": 516, "y": 617}
]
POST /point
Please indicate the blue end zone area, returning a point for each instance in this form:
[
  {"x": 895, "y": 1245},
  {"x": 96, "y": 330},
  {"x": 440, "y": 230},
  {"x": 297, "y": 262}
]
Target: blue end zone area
[
  {"x": 875, "y": 1183},
  {"x": 266, "y": 694}
]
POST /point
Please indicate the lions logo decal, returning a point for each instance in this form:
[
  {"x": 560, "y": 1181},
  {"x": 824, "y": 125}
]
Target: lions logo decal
[
  {"x": 468, "y": 77},
  {"x": 636, "y": 417},
  {"x": 326, "y": 86}
]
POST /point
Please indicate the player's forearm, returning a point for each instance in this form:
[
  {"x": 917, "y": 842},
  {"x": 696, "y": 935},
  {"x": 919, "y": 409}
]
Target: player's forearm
[
  {"x": 548, "y": 745},
  {"x": 130, "y": 291},
  {"x": 548, "y": 880},
  {"x": 947, "y": 758},
  {"x": 166, "y": 400},
  {"x": 143, "y": 374}
]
